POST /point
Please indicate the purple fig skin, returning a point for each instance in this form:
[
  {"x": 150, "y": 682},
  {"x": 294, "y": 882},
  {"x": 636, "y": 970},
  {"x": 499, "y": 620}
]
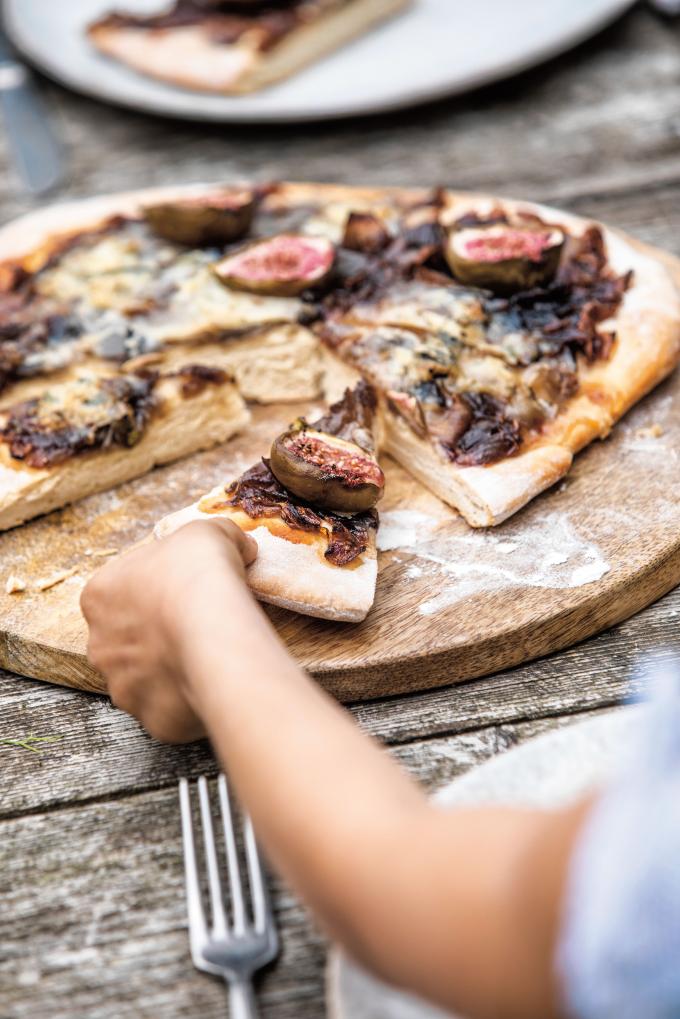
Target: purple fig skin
[
  {"x": 325, "y": 471},
  {"x": 203, "y": 219},
  {"x": 504, "y": 258},
  {"x": 281, "y": 266}
]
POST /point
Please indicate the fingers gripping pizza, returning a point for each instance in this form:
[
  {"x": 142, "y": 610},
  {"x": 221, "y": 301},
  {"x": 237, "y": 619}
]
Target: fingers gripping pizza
[
  {"x": 498, "y": 337},
  {"x": 232, "y": 46},
  {"x": 310, "y": 506}
]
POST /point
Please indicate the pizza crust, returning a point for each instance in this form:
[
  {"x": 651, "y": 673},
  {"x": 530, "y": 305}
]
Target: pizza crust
[
  {"x": 182, "y": 426},
  {"x": 186, "y": 56},
  {"x": 294, "y": 574}
]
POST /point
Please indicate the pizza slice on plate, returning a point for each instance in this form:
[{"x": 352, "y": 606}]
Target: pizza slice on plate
[
  {"x": 231, "y": 46},
  {"x": 310, "y": 506}
]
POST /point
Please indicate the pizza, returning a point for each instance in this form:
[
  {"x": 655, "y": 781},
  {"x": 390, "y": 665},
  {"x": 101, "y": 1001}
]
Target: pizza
[
  {"x": 310, "y": 505},
  {"x": 498, "y": 338},
  {"x": 232, "y": 46}
]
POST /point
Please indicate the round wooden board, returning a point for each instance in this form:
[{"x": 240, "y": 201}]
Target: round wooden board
[{"x": 452, "y": 603}]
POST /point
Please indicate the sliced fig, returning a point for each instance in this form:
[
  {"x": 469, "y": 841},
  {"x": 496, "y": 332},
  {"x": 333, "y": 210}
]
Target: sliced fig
[
  {"x": 282, "y": 266},
  {"x": 203, "y": 219},
  {"x": 505, "y": 258},
  {"x": 326, "y": 471}
]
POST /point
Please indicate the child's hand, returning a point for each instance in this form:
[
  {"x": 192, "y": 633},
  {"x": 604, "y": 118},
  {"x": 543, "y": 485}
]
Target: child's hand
[{"x": 145, "y": 607}]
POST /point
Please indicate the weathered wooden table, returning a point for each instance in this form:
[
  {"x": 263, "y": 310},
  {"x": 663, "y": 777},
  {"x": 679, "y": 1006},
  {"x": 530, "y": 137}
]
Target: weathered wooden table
[{"x": 91, "y": 899}]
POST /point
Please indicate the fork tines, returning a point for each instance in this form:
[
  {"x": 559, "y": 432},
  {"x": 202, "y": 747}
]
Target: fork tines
[{"x": 233, "y": 941}]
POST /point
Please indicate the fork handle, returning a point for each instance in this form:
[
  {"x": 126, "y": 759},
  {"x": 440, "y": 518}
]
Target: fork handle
[{"x": 242, "y": 1003}]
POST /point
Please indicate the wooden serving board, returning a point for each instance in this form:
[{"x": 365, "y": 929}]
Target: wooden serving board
[{"x": 452, "y": 603}]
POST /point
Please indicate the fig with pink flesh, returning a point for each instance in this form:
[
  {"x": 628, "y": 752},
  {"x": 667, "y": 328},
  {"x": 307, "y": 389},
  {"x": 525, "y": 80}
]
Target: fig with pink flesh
[
  {"x": 282, "y": 266},
  {"x": 505, "y": 258},
  {"x": 216, "y": 218},
  {"x": 325, "y": 470}
]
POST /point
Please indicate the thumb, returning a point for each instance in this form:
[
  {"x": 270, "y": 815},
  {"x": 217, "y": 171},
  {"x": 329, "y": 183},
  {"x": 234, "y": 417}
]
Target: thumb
[{"x": 246, "y": 546}]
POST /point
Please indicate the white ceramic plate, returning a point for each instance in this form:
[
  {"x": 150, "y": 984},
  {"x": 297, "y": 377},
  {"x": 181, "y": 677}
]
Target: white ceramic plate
[
  {"x": 438, "y": 48},
  {"x": 546, "y": 772}
]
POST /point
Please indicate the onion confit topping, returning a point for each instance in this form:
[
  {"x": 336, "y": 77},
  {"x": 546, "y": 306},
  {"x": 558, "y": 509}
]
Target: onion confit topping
[
  {"x": 365, "y": 232},
  {"x": 259, "y": 494},
  {"x": 87, "y": 414},
  {"x": 223, "y": 22},
  {"x": 284, "y": 265}
]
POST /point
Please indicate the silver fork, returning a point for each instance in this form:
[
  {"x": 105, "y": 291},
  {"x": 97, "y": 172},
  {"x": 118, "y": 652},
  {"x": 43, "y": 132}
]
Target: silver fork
[{"x": 235, "y": 945}]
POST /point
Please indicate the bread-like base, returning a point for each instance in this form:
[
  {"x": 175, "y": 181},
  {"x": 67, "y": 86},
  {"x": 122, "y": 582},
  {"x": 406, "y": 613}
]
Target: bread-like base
[
  {"x": 182, "y": 426},
  {"x": 292, "y": 572},
  {"x": 186, "y": 56},
  {"x": 279, "y": 364}
]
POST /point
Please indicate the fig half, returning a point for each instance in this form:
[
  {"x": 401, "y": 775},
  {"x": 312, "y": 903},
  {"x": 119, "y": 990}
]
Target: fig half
[
  {"x": 281, "y": 266},
  {"x": 505, "y": 258},
  {"x": 203, "y": 219},
  {"x": 326, "y": 471}
]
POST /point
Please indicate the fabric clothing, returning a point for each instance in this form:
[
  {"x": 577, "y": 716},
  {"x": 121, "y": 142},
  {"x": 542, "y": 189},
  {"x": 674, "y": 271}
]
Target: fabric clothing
[{"x": 619, "y": 955}]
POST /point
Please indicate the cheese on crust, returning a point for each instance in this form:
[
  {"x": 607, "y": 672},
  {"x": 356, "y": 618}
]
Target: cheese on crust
[{"x": 182, "y": 426}]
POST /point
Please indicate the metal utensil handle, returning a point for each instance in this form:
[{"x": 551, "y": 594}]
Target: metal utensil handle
[
  {"x": 33, "y": 145},
  {"x": 242, "y": 1003}
]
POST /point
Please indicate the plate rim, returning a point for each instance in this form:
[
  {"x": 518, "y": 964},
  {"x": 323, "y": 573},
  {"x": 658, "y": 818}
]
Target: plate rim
[{"x": 535, "y": 56}]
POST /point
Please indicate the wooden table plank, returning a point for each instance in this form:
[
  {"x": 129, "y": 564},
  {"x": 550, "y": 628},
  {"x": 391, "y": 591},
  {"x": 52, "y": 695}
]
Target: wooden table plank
[
  {"x": 601, "y": 117},
  {"x": 93, "y": 917},
  {"x": 103, "y": 753}
]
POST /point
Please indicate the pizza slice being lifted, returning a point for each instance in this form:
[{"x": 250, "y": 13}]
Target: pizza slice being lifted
[
  {"x": 311, "y": 508},
  {"x": 231, "y": 46}
]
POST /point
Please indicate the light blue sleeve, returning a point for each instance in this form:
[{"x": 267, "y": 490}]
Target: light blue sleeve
[{"x": 619, "y": 955}]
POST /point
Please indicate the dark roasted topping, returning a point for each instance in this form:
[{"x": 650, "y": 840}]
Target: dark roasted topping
[
  {"x": 195, "y": 378},
  {"x": 469, "y": 428},
  {"x": 365, "y": 232},
  {"x": 369, "y": 264},
  {"x": 566, "y": 313},
  {"x": 225, "y": 22},
  {"x": 87, "y": 414},
  {"x": 352, "y": 416},
  {"x": 490, "y": 436},
  {"x": 259, "y": 494}
]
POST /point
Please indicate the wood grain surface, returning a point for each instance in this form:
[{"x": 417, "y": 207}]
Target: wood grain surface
[
  {"x": 92, "y": 923},
  {"x": 452, "y": 602}
]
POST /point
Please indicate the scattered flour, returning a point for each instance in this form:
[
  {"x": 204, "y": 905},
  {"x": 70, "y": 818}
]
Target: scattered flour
[
  {"x": 403, "y": 528},
  {"x": 547, "y": 553}
]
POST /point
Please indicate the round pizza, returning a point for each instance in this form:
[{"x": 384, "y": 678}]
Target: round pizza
[{"x": 482, "y": 342}]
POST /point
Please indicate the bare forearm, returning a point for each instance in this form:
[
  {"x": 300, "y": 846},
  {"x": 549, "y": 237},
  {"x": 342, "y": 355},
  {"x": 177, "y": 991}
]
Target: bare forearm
[
  {"x": 308, "y": 776},
  {"x": 451, "y": 904}
]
